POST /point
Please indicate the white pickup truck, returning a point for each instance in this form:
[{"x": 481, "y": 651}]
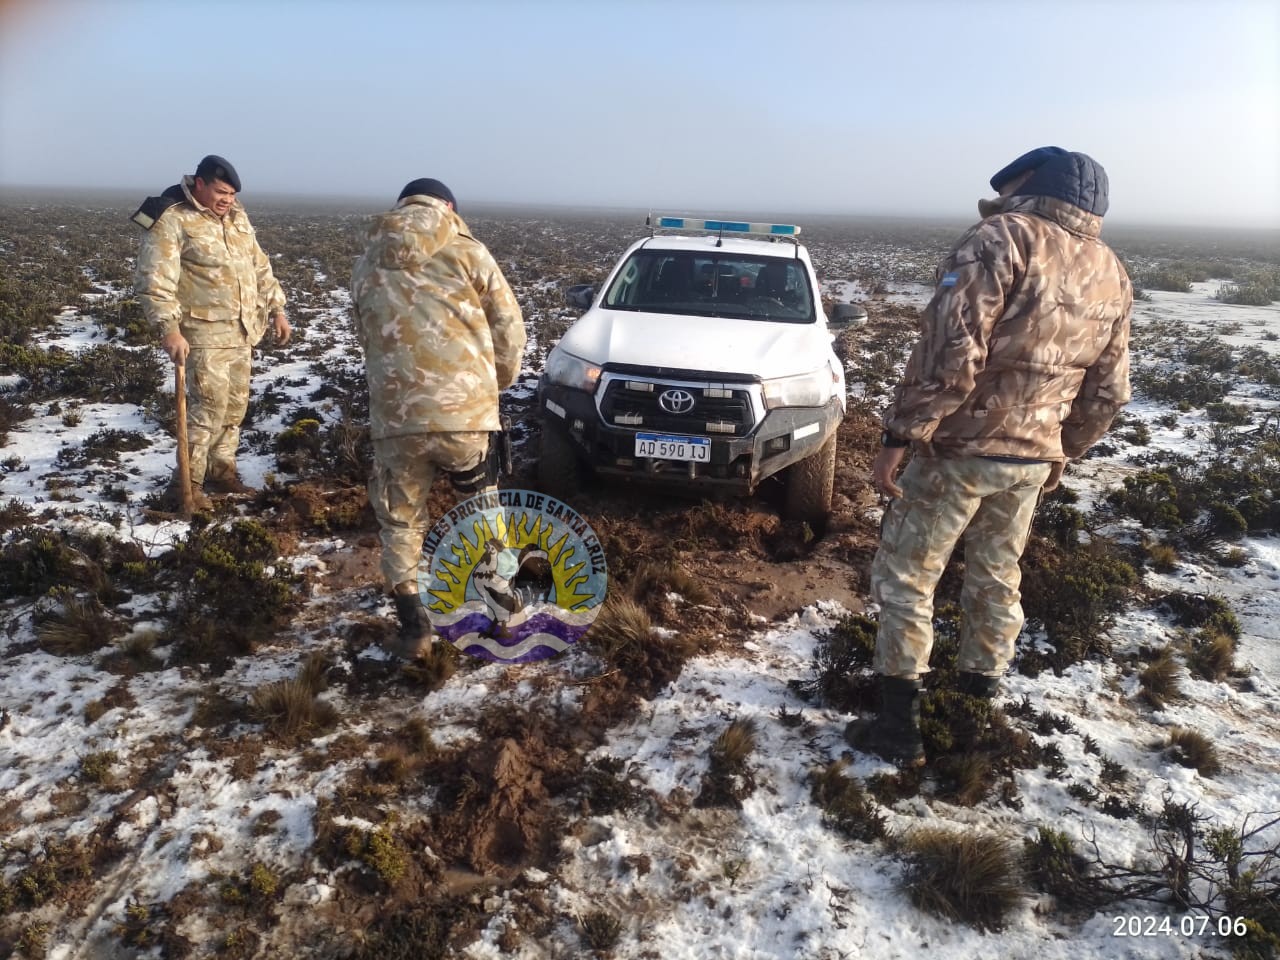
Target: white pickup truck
[{"x": 703, "y": 361}]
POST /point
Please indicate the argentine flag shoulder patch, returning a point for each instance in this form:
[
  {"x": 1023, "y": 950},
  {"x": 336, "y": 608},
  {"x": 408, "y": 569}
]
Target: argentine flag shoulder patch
[{"x": 949, "y": 280}]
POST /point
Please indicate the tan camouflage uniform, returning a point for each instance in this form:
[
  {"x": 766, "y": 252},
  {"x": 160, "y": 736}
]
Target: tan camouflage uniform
[
  {"x": 442, "y": 335},
  {"x": 1023, "y": 354},
  {"x": 208, "y": 277}
]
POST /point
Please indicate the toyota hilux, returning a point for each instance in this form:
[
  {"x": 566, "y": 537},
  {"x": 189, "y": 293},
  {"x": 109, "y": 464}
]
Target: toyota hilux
[{"x": 704, "y": 361}]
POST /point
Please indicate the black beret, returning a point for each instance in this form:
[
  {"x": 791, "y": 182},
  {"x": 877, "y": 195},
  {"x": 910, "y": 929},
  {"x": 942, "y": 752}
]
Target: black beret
[
  {"x": 214, "y": 167},
  {"x": 429, "y": 187}
]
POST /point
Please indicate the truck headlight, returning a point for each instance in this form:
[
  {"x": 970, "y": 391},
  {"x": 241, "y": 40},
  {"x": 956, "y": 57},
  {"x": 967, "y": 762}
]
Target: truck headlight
[
  {"x": 805, "y": 390},
  {"x": 567, "y": 370}
]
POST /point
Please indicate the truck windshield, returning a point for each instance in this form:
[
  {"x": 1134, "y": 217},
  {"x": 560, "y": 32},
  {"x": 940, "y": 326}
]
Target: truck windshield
[{"x": 708, "y": 284}]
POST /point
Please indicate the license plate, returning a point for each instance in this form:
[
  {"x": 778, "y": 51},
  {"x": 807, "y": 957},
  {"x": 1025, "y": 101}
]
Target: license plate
[{"x": 662, "y": 447}]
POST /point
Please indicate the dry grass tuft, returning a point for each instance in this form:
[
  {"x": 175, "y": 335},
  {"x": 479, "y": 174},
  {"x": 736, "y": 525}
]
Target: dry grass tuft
[
  {"x": 1163, "y": 557},
  {"x": 433, "y": 668},
  {"x": 735, "y": 745},
  {"x": 969, "y": 777},
  {"x": 600, "y": 930},
  {"x": 1160, "y": 680},
  {"x": 845, "y": 806},
  {"x": 624, "y": 637},
  {"x": 966, "y": 877},
  {"x": 80, "y": 625},
  {"x": 1213, "y": 655},
  {"x": 1193, "y": 749},
  {"x": 134, "y": 654},
  {"x": 290, "y": 710},
  {"x": 622, "y": 626},
  {"x": 729, "y": 778},
  {"x": 657, "y": 579}
]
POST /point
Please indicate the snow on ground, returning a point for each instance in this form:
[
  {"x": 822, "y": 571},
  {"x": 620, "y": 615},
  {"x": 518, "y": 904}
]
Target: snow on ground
[{"x": 770, "y": 881}]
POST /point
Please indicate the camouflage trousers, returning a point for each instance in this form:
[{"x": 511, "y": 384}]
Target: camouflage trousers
[
  {"x": 403, "y": 470},
  {"x": 991, "y": 504},
  {"x": 217, "y": 398}
]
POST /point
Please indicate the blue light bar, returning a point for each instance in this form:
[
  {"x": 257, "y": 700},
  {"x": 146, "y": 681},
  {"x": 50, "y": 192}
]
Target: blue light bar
[{"x": 727, "y": 226}]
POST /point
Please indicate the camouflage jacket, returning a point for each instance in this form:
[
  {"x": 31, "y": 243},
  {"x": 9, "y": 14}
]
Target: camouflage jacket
[
  {"x": 205, "y": 275},
  {"x": 1024, "y": 348},
  {"x": 441, "y": 330}
]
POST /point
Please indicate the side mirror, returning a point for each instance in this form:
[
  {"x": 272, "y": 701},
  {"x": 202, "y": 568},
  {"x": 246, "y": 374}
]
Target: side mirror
[
  {"x": 848, "y": 314},
  {"x": 580, "y": 296}
]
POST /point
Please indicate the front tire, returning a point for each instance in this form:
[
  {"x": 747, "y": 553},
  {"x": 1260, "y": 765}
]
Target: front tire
[
  {"x": 810, "y": 484},
  {"x": 560, "y": 470}
]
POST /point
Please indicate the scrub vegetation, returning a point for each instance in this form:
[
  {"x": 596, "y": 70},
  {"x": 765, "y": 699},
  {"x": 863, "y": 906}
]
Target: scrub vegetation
[{"x": 380, "y": 811}]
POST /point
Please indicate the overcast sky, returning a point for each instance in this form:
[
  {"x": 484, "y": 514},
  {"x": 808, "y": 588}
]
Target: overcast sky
[{"x": 713, "y": 106}]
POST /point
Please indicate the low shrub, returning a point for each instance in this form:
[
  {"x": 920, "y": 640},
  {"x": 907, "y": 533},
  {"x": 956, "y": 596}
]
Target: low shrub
[
  {"x": 229, "y": 594},
  {"x": 1253, "y": 294},
  {"x": 840, "y": 661},
  {"x": 1056, "y": 868},
  {"x": 105, "y": 373},
  {"x": 35, "y": 560},
  {"x": 1201, "y": 611},
  {"x": 1195, "y": 390},
  {"x": 1075, "y": 594},
  {"x": 105, "y": 446},
  {"x": 1170, "y": 279}
]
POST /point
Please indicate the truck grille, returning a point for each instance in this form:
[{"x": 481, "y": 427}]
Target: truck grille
[{"x": 720, "y": 409}]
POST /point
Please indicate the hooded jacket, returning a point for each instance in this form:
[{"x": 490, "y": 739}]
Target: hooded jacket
[
  {"x": 205, "y": 275},
  {"x": 1024, "y": 347},
  {"x": 440, "y": 328}
]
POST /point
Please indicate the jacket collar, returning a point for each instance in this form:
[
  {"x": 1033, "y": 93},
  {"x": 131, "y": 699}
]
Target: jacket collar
[{"x": 1066, "y": 215}]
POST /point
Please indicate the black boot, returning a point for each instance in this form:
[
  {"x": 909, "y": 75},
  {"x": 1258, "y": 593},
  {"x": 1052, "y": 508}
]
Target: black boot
[
  {"x": 978, "y": 685},
  {"x": 894, "y": 734},
  {"x": 971, "y": 720},
  {"x": 414, "y": 636}
]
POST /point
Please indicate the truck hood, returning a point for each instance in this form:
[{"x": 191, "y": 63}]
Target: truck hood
[{"x": 712, "y": 344}]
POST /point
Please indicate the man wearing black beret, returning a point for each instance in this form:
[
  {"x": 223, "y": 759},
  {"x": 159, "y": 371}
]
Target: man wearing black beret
[
  {"x": 1021, "y": 365},
  {"x": 208, "y": 289},
  {"x": 442, "y": 336}
]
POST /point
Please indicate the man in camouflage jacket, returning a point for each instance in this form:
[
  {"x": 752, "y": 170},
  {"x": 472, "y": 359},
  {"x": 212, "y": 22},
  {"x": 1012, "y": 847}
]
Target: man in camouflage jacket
[
  {"x": 442, "y": 334},
  {"x": 207, "y": 289},
  {"x": 1021, "y": 365}
]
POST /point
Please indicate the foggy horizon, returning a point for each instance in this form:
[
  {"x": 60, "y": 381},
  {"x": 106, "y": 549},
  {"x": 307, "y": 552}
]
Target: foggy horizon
[{"x": 710, "y": 107}]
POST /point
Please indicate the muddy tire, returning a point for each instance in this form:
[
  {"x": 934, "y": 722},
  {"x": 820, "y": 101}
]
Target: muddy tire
[
  {"x": 809, "y": 485},
  {"x": 560, "y": 471}
]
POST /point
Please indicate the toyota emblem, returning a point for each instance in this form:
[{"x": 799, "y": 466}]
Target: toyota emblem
[{"x": 676, "y": 401}]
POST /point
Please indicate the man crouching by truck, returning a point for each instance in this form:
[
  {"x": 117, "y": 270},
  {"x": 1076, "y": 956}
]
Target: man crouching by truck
[{"x": 442, "y": 334}]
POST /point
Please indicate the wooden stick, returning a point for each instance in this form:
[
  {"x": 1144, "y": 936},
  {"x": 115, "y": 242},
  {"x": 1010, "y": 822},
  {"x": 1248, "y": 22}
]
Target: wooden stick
[{"x": 184, "y": 449}]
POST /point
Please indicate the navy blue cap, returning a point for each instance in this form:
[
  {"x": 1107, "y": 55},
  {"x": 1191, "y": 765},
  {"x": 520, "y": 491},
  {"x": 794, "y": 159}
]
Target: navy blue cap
[
  {"x": 1031, "y": 160},
  {"x": 1074, "y": 177},
  {"x": 214, "y": 167},
  {"x": 429, "y": 187}
]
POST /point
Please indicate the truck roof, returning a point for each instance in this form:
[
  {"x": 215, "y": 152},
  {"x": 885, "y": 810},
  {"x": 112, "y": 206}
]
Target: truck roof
[{"x": 782, "y": 250}]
